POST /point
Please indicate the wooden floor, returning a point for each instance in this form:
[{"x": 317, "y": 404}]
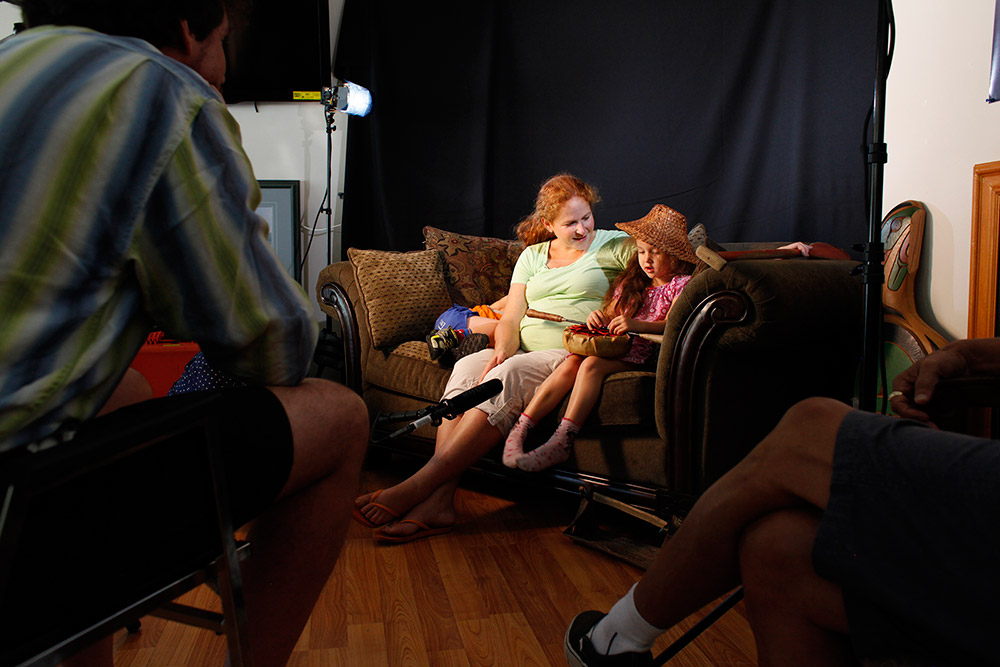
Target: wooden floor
[{"x": 499, "y": 590}]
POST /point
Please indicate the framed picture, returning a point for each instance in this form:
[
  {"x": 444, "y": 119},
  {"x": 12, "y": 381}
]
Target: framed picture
[{"x": 279, "y": 205}]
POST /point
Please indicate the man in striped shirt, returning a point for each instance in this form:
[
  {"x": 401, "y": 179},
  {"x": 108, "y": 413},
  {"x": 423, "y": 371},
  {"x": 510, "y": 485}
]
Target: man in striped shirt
[{"x": 128, "y": 200}]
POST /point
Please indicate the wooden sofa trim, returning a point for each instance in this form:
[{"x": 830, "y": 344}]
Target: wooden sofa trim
[
  {"x": 719, "y": 310},
  {"x": 335, "y": 296}
]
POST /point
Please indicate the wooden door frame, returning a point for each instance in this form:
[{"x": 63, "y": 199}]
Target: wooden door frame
[{"x": 984, "y": 250}]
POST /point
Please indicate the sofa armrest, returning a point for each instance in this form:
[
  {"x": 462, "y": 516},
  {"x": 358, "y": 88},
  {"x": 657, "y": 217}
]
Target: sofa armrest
[
  {"x": 334, "y": 293},
  {"x": 334, "y": 296},
  {"x": 740, "y": 346}
]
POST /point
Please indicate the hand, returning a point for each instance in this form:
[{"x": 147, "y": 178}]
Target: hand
[
  {"x": 803, "y": 248},
  {"x": 621, "y": 324},
  {"x": 917, "y": 383},
  {"x": 596, "y": 319},
  {"x": 499, "y": 356}
]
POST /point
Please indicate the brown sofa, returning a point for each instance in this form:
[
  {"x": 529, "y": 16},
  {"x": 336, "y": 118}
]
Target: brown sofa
[{"x": 741, "y": 345}]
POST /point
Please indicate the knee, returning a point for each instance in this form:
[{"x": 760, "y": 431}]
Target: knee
[
  {"x": 591, "y": 367},
  {"x": 572, "y": 364},
  {"x": 808, "y": 424},
  {"x": 340, "y": 411}
]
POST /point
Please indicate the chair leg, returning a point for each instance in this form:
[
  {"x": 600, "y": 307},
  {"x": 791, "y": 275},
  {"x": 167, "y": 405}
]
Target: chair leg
[
  {"x": 228, "y": 565},
  {"x": 699, "y": 627}
]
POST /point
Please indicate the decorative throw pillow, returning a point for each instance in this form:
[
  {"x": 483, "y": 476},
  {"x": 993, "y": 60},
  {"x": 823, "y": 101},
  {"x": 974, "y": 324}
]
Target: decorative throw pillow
[
  {"x": 404, "y": 292},
  {"x": 479, "y": 267}
]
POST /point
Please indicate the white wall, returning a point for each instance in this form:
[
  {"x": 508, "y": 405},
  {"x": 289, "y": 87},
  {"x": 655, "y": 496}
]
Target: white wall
[
  {"x": 9, "y": 15},
  {"x": 287, "y": 141},
  {"x": 938, "y": 127}
]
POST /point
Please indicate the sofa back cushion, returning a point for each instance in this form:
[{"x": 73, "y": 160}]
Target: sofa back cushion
[
  {"x": 479, "y": 267},
  {"x": 404, "y": 292}
]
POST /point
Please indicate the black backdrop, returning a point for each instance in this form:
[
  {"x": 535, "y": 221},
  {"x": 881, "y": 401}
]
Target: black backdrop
[{"x": 746, "y": 115}]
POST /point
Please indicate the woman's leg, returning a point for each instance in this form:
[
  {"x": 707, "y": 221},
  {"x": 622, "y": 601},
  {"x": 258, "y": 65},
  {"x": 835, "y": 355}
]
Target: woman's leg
[
  {"x": 463, "y": 441},
  {"x": 434, "y": 484}
]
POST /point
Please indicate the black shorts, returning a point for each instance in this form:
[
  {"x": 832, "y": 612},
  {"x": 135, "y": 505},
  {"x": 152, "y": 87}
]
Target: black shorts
[
  {"x": 127, "y": 524},
  {"x": 910, "y": 535}
]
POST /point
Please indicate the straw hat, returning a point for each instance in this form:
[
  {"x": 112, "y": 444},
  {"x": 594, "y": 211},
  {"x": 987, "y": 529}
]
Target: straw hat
[{"x": 664, "y": 228}]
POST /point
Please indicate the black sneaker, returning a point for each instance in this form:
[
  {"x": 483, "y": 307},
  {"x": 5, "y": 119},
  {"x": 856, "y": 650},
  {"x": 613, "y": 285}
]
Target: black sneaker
[
  {"x": 581, "y": 653},
  {"x": 440, "y": 341},
  {"x": 470, "y": 345}
]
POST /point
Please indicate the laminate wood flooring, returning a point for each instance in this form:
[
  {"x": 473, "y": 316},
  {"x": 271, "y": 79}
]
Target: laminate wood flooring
[{"x": 498, "y": 590}]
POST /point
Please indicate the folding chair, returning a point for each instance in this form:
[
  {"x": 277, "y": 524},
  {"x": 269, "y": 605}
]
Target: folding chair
[{"x": 83, "y": 603}]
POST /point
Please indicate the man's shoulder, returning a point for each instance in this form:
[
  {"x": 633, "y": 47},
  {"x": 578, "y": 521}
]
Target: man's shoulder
[{"x": 75, "y": 47}]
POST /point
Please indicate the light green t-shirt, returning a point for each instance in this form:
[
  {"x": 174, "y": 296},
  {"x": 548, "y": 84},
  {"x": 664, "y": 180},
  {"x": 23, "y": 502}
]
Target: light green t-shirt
[{"x": 572, "y": 291}]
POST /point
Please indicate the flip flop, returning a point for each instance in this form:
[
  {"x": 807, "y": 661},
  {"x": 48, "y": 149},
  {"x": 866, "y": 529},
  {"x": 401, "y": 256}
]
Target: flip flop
[
  {"x": 424, "y": 531},
  {"x": 365, "y": 521}
]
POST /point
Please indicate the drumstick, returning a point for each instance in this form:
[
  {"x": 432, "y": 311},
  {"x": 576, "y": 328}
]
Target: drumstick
[{"x": 552, "y": 317}]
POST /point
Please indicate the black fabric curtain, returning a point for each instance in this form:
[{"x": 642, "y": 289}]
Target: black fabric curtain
[{"x": 746, "y": 115}]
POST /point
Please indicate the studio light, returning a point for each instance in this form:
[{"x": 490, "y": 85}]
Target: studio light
[{"x": 349, "y": 97}]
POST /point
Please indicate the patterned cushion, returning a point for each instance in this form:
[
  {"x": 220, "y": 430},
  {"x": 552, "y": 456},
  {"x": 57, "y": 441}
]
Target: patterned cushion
[
  {"x": 404, "y": 292},
  {"x": 479, "y": 267}
]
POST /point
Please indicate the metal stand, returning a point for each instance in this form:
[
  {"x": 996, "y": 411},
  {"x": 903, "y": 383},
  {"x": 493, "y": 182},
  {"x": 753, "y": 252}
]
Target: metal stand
[{"x": 872, "y": 271}]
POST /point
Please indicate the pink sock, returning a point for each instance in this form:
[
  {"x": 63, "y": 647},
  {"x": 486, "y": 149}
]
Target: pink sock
[
  {"x": 555, "y": 450},
  {"x": 513, "y": 449}
]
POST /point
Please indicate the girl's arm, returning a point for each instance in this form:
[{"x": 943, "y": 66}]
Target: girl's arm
[{"x": 508, "y": 331}]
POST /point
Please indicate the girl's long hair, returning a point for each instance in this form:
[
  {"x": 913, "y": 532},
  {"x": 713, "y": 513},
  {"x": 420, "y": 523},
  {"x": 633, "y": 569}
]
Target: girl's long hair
[
  {"x": 551, "y": 196},
  {"x": 634, "y": 282}
]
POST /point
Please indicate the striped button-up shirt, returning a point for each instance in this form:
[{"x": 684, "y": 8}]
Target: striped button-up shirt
[{"x": 126, "y": 200}]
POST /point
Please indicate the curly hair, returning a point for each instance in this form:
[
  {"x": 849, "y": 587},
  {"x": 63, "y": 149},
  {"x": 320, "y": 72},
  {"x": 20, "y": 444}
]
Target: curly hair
[
  {"x": 551, "y": 196},
  {"x": 156, "y": 21}
]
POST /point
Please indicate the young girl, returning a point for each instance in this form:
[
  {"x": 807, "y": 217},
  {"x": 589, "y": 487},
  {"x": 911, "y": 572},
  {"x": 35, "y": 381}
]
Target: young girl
[{"x": 638, "y": 301}]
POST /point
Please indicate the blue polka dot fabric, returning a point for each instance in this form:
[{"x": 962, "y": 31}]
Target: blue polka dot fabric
[{"x": 199, "y": 375}]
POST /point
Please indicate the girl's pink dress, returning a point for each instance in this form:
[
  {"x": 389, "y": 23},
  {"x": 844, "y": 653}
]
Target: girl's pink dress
[{"x": 656, "y": 301}]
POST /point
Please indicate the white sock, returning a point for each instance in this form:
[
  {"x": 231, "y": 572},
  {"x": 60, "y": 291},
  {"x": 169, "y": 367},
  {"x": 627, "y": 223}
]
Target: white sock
[
  {"x": 624, "y": 630},
  {"x": 513, "y": 449}
]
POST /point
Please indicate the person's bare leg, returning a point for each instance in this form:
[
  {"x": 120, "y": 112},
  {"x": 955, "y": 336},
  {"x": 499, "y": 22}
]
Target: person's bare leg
[
  {"x": 589, "y": 381},
  {"x": 458, "y": 446},
  {"x": 797, "y": 617},
  {"x": 483, "y": 325},
  {"x": 791, "y": 467},
  {"x": 297, "y": 541},
  {"x": 555, "y": 387}
]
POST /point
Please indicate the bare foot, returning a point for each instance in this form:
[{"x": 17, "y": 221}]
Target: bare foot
[
  {"x": 438, "y": 511},
  {"x": 398, "y": 499}
]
